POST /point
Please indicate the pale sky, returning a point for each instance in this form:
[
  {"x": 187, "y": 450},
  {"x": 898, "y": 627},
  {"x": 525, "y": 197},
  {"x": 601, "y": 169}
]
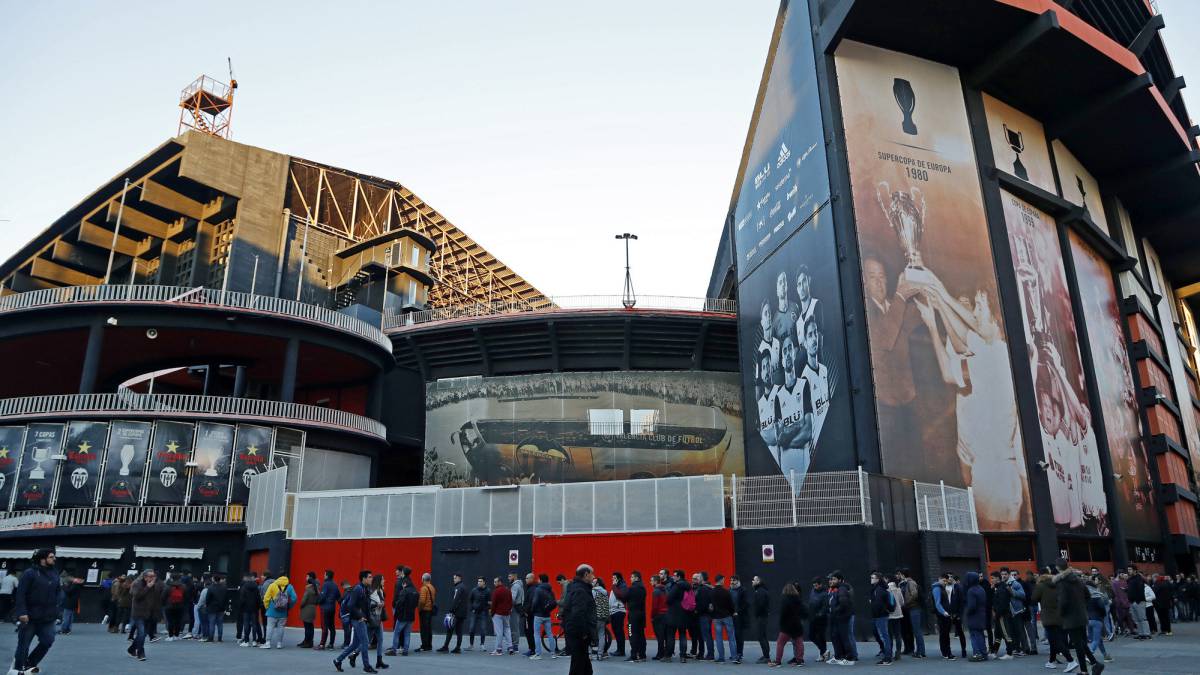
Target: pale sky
[{"x": 539, "y": 128}]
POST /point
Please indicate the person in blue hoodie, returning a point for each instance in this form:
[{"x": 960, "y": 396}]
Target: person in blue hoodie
[
  {"x": 976, "y": 616},
  {"x": 36, "y": 607}
]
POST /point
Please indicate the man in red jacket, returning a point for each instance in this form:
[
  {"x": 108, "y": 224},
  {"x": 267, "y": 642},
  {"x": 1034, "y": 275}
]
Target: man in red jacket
[
  {"x": 502, "y": 605},
  {"x": 658, "y": 614}
]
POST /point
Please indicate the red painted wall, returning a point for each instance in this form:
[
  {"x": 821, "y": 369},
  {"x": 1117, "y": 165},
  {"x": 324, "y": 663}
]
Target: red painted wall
[{"x": 346, "y": 557}]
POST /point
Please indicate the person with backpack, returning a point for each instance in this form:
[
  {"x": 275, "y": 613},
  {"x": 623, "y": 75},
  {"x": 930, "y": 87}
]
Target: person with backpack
[
  {"x": 542, "y": 604},
  {"x": 895, "y": 618},
  {"x": 214, "y": 607},
  {"x": 174, "y": 609},
  {"x": 882, "y": 603},
  {"x": 278, "y": 599},
  {"x": 354, "y": 608},
  {"x": 681, "y": 600},
  {"x": 328, "y": 602},
  {"x": 600, "y": 597},
  {"x": 308, "y": 608}
]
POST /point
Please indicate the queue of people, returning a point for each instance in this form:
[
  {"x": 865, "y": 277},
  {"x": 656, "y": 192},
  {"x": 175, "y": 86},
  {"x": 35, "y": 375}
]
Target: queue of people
[{"x": 999, "y": 613}]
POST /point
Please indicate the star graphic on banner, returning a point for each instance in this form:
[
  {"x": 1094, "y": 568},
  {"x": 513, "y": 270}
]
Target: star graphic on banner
[
  {"x": 4, "y": 452},
  {"x": 172, "y": 446},
  {"x": 84, "y": 447},
  {"x": 252, "y": 450}
]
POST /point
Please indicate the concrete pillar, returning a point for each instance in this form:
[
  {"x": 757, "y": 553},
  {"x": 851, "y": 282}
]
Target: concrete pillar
[
  {"x": 91, "y": 359},
  {"x": 239, "y": 382},
  {"x": 287, "y": 384},
  {"x": 210, "y": 379},
  {"x": 375, "y": 397}
]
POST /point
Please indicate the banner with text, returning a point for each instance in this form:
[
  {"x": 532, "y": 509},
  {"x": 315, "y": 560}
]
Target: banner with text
[
  {"x": 36, "y": 480},
  {"x": 169, "y": 454},
  {"x": 11, "y": 440},
  {"x": 80, "y": 475},
  {"x": 253, "y": 449},
  {"x": 128, "y": 447},
  {"x": 210, "y": 478}
]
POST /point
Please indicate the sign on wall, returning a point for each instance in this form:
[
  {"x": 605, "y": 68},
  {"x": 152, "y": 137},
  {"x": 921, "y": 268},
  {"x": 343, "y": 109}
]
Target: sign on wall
[
  {"x": 128, "y": 447},
  {"x": 38, "y": 468},
  {"x": 210, "y": 477},
  {"x": 250, "y": 458},
  {"x": 11, "y": 442},
  {"x": 1019, "y": 144},
  {"x": 168, "y": 476},
  {"x": 80, "y": 475}
]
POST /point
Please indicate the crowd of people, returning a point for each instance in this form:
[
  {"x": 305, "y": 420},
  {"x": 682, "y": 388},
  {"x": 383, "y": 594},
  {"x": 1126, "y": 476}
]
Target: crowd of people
[{"x": 1069, "y": 613}]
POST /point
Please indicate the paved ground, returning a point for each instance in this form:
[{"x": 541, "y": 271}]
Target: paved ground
[{"x": 89, "y": 650}]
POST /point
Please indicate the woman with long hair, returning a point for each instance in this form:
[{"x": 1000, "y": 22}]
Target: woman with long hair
[
  {"x": 791, "y": 626},
  {"x": 375, "y": 619}
]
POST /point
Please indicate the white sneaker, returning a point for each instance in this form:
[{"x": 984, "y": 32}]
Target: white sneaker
[
  {"x": 266, "y": 646},
  {"x": 834, "y": 662},
  {"x": 1071, "y": 667},
  {"x": 1051, "y": 665},
  {"x": 1005, "y": 657}
]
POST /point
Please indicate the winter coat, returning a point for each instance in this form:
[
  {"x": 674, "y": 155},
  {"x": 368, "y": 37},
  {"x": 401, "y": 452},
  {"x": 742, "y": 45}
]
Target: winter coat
[
  {"x": 308, "y": 603},
  {"x": 635, "y": 601},
  {"x": 1137, "y": 589},
  {"x": 1120, "y": 595},
  {"x": 517, "y": 593},
  {"x": 248, "y": 598},
  {"x": 1072, "y": 599},
  {"x": 121, "y": 590},
  {"x": 377, "y": 602},
  {"x": 975, "y": 612},
  {"x": 278, "y": 586},
  {"x": 405, "y": 603},
  {"x": 841, "y": 602},
  {"x": 427, "y": 597},
  {"x": 617, "y": 598},
  {"x": 722, "y": 603},
  {"x": 355, "y": 604},
  {"x": 37, "y": 594},
  {"x": 480, "y": 597},
  {"x": 911, "y": 591},
  {"x": 1164, "y": 590},
  {"x": 1016, "y": 597},
  {"x": 761, "y": 602},
  {"x": 578, "y": 613},
  {"x": 328, "y": 599},
  {"x": 879, "y": 601},
  {"x": 704, "y": 596},
  {"x": 542, "y": 601},
  {"x": 1002, "y": 599},
  {"x": 502, "y": 601},
  {"x": 459, "y": 606},
  {"x": 1097, "y": 605},
  {"x": 1045, "y": 593},
  {"x": 818, "y": 604},
  {"x": 676, "y": 616},
  {"x": 791, "y": 616},
  {"x": 600, "y": 597},
  {"x": 658, "y": 602},
  {"x": 897, "y": 597},
  {"x": 218, "y": 596},
  {"x": 145, "y": 601}
]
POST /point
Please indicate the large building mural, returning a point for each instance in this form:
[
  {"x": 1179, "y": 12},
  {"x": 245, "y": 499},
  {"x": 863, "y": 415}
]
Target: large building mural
[
  {"x": 943, "y": 379},
  {"x": 571, "y": 427}
]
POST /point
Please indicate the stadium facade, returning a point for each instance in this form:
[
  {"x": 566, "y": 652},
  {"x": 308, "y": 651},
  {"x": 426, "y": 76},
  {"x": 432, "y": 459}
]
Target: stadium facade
[{"x": 949, "y": 326}]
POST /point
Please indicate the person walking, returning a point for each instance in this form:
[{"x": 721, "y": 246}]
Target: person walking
[
  {"x": 404, "y": 607},
  {"x": 635, "y": 608},
  {"x": 678, "y": 591},
  {"x": 1045, "y": 595},
  {"x": 35, "y": 602},
  {"x": 791, "y": 626},
  {"x": 354, "y": 608},
  {"x": 278, "y": 599},
  {"x": 308, "y": 609},
  {"x": 975, "y": 615},
  {"x": 376, "y": 616},
  {"x": 1072, "y": 604},
  {"x": 541, "y": 604},
  {"x": 617, "y": 611},
  {"x": 1097, "y": 611},
  {"x": 459, "y": 611},
  {"x": 121, "y": 591},
  {"x": 722, "y": 619},
  {"x": 517, "y": 618},
  {"x": 426, "y": 608},
  {"x": 578, "y": 616},
  {"x": 480, "y": 599},
  {"x": 501, "y": 608},
  {"x": 145, "y": 602},
  {"x": 327, "y": 601},
  {"x": 8, "y": 586},
  {"x": 882, "y": 605}
]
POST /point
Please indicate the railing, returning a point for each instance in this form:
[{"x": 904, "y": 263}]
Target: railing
[
  {"x": 817, "y": 499},
  {"x": 559, "y": 303},
  {"x": 84, "y": 404},
  {"x": 205, "y": 83},
  {"x": 945, "y": 509},
  {"x": 198, "y": 296},
  {"x": 648, "y": 505},
  {"x": 122, "y": 515}
]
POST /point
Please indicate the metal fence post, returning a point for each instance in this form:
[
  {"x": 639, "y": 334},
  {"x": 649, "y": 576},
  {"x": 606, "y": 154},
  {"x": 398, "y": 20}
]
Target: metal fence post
[
  {"x": 926, "y": 500},
  {"x": 945, "y": 506},
  {"x": 971, "y": 506},
  {"x": 792, "y": 494},
  {"x": 862, "y": 494},
  {"x": 733, "y": 498}
]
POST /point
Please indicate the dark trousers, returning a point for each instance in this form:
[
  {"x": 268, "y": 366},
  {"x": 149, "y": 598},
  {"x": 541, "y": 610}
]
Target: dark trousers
[
  {"x": 739, "y": 627},
  {"x": 660, "y": 635},
  {"x": 174, "y": 620},
  {"x": 1164, "y": 617},
  {"x": 672, "y": 632},
  {"x": 44, "y": 631},
  {"x": 944, "y": 627},
  {"x": 1056, "y": 641},
  {"x": 309, "y": 629},
  {"x": 637, "y": 635},
  {"x": 251, "y": 629},
  {"x": 527, "y": 625},
  {"x": 906, "y": 631},
  {"x": 816, "y": 633},
  {"x": 426, "y": 631},
  {"x": 457, "y": 631},
  {"x": 1077, "y": 640},
  {"x": 577, "y": 648},
  {"x": 328, "y": 627},
  {"x": 617, "y": 621},
  {"x": 839, "y": 635},
  {"x": 693, "y": 631},
  {"x": 6, "y": 608},
  {"x": 138, "y": 648}
]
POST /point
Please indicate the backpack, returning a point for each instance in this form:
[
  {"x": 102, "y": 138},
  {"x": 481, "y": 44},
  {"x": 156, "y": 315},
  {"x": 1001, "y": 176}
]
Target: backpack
[
  {"x": 891, "y": 601},
  {"x": 689, "y": 601},
  {"x": 175, "y": 597},
  {"x": 282, "y": 602}
]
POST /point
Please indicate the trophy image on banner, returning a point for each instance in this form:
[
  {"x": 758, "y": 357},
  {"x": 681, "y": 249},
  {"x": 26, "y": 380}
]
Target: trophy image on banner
[
  {"x": 905, "y": 212},
  {"x": 1016, "y": 141},
  {"x": 40, "y": 454},
  {"x": 1026, "y": 268},
  {"x": 1082, "y": 196},
  {"x": 127, "y": 452},
  {"x": 907, "y": 100},
  {"x": 213, "y": 455}
]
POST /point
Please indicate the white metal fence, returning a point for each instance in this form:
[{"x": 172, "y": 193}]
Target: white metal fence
[
  {"x": 832, "y": 498},
  {"x": 684, "y": 503},
  {"x": 266, "y": 509},
  {"x": 84, "y": 404},
  {"x": 945, "y": 509},
  {"x": 194, "y": 296},
  {"x": 557, "y": 303},
  {"x": 121, "y": 515}
]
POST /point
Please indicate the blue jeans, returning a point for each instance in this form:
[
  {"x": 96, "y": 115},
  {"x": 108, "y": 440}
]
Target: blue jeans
[
  {"x": 915, "y": 616},
  {"x": 358, "y": 641},
  {"x": 44, "y": 630},
  {"x": 885, "y": 639},
  {"x": 68, "y": 618},
  {"x": 539, "y": 623},
  {"x": 852, "y": 640},
  {"x": 1096, "y": 636},
  {"x": 978, "y": 644},
  {"x": 706, "y": 634},
  {"x": 202, "y": 622},
  {"x": 400, "y": 633},
  {"x": 727, "y": 624},
  {"x": 138, "y": 648},
  {"x": 216, "y": 625}
]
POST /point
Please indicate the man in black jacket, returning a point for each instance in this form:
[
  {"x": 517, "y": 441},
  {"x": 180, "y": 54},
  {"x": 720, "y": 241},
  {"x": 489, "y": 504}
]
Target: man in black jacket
[
  {"x": 762, "y": 609},
  {"x": 741, "y": 609},
  {"x": 578, "y": 615},
  {"x": 722, "y": 620},
  {"x": 404, "y": 606},
  {"x": 635, "y": 606},
  {"x": 702, "y": 635},
  {"x": 36, "y": 604},
  {"x": 677, "y": 617},
  {"x": 328, "y": 602},
  {"x": 818, "y": 612},
  {"x": 841, "y": 610},
  {"x": 882, "y": 603},
  {"x": 1072, "y": 604},
  {"x": 459, "y": 609},
  {"x": 249, "y": 600},
  {"x": 214, "y": 606}
]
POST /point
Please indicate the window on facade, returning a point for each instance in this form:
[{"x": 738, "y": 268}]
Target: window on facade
[
  {"x": 605, "y": 422},
  {"x": 644, "y": 421}
]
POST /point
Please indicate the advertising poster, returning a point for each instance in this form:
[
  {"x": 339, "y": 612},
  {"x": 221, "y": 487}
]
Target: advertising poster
[
  {"x": 1019, "y": 144},
  {"x": 210, "y": 478},
  {"x": 1068, "y": 435},
  {"x": 250, "y": 458},
  {"x": 11, "y": 440},
  {"x": 172, "y": 448},
  {"x": 939, "y": 353},
  {"x": 574, "y": 427},
  {"x": 1078, "y": 185},
  {"x": 786, "y": 179},
  {"x": 793, "y": 359},
  {"x": 80, "y": 475},
  {"x": 128, "y": 448},
  {"x": 36, "y": 478},
  {"x": 1126, "y": 449}
]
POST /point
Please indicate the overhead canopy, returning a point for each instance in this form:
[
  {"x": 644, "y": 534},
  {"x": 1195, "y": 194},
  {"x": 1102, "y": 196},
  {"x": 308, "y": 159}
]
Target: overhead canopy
[
  {"x": 160, "y": 552},
  {"x": 7, "y": 554},
  {"x": 90, "y": 553}
]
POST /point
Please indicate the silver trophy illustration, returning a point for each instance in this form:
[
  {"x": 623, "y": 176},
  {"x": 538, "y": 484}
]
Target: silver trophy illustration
[
  {"x": 40, "y": 454},
  {"x": 905, "y": 212},
  {"x": 127, "y": 453},
  {"x": 213, "y": 456}
]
